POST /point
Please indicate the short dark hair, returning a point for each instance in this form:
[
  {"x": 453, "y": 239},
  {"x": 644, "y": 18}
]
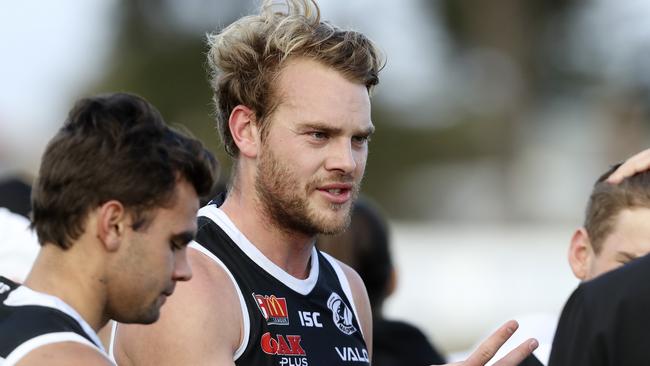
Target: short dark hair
[
  {"x": 608, "y": 200},
  {"x": 364, "y": 246},
  {"x": 114, "y": 146}
]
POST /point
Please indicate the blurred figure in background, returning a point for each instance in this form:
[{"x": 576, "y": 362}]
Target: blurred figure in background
[
  {"x": 615, "y": 231},
  {"x": 18, "y": 245},
  {"x": 605, "y": 321},
  {"x": 14, "y": 195},
  {"x": 616, "y": 228},
  {"x": 365, "y": 246}
]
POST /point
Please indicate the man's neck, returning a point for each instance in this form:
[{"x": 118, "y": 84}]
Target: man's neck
[
  {"x": 54, "y": 274},
  {"x": 289, "y": 250}
]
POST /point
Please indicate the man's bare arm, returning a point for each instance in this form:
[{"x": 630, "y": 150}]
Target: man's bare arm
[
  {"x": 362, "y": 303},
  {"x": 199, "y": 325},
  {"x": 65, "y": 354}
]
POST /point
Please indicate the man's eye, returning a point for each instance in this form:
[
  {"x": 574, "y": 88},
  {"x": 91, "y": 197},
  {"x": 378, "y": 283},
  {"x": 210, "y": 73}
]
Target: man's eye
[
  {"x": 361, "y": 139},
  {"x": 317, "y": 135}
]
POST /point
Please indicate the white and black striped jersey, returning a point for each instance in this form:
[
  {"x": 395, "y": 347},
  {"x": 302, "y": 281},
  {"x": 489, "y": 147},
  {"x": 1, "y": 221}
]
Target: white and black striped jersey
[
  {"x": 287, "y": 321},
  {"x": 31, "y": 319}
]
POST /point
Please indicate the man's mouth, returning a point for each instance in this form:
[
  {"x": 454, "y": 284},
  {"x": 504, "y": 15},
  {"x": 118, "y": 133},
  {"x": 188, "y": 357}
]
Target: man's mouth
[{"x": 337, "y": 193}]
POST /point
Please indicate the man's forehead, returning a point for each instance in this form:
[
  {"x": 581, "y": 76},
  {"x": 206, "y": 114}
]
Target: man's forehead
[{"x": 630, "y": 232}]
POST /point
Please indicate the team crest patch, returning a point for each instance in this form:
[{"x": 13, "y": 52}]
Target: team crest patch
[
  {"x": 273, "y": 309},
  {"x": 341, "y": 314}
]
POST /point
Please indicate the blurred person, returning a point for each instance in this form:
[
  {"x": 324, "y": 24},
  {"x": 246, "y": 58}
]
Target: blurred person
[
  {"x": 18, "y": 245},
  {"x": 365, "y": 246},
  {"x": 14, "y": 195},
  {"x": 615, "y": 231},
  {"x": 616, "y": 228},
  {"x": 605, "y": 320},
  {"x": 114, "y": 207},
  {"x": 293, "y": 111}
]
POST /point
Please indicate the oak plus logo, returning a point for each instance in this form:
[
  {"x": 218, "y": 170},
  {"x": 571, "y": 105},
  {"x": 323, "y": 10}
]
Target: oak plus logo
[
  {"x": 341, "y": 314},
  {"x": 273, "y": 309},
  {"x": 288, "y": 347}
]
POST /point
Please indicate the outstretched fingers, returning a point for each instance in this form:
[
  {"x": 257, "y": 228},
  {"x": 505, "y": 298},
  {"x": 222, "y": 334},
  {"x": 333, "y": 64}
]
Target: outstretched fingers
[
  {"x": 518, "y": 354},
  {"x": 491, "y": 345}
]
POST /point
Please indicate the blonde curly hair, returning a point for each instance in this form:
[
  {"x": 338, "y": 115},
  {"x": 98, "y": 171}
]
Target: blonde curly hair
[{"x": 247, "y": 56}]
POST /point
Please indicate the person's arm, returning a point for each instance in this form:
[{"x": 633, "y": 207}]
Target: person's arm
[
  {"x": 65, "y": 354},
  {"x": 199, "y": 325},
  {"x": 362, "y": 303},
  {"x": 635, "y": 164}
]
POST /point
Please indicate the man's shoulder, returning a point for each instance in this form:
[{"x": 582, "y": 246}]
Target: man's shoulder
[
  {"x": 625, "y": 283},
  {"x": 608, "y": 301},
  {"x": 20, "y": 323},
  {"x": 606, "y": 316},
  {"x": 27, "y": 330},
  {"x": 64, "y": 353}
]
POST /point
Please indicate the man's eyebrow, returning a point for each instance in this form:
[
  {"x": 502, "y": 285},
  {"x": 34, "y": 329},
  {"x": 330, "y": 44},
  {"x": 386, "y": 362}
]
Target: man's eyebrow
[{"x": 320, "y": 126}]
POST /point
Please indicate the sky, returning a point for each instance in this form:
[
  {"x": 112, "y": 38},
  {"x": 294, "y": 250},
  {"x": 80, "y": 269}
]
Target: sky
[{"x": 50, "y": 50}]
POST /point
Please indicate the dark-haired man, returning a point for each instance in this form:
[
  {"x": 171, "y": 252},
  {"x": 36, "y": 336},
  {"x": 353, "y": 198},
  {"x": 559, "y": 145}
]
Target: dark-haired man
[{"x": 114, "y": 207}]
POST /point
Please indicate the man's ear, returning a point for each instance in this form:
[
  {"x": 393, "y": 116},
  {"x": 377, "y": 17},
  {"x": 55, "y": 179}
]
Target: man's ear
[
  {"x": 111, "y": 224},
  {"x": 581, "y": 254},
  {"x": 244, "y": 130}
]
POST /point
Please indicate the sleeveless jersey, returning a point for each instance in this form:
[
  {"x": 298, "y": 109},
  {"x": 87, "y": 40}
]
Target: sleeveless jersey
[
  {"x": 287, "y": 321},
  {"x": 30, "y": 319}
]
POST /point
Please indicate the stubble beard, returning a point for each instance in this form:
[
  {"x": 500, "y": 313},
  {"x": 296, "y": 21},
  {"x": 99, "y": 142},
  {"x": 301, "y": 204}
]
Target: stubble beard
[
  {"x": 287, "y": 206},
  {"x": 137, "y": 312},
  {"x": 136, "y": 307}
]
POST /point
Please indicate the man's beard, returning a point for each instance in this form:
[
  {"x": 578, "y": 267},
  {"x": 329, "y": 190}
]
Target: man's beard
[{"x": 288, "y": 207}]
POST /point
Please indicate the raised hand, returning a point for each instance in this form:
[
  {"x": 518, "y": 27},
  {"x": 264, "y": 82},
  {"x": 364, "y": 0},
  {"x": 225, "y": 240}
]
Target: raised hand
[
  {"x": 636, "y": 164},
  {"x": 491, "y": 345}
]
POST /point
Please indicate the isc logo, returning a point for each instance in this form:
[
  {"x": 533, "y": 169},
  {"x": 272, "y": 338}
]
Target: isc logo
[{"x": 310, "y": 319}]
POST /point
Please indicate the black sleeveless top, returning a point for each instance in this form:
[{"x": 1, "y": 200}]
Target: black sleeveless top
[
  {"x": 288, "y": 321},
  {"x": 26, "y": 323}
]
